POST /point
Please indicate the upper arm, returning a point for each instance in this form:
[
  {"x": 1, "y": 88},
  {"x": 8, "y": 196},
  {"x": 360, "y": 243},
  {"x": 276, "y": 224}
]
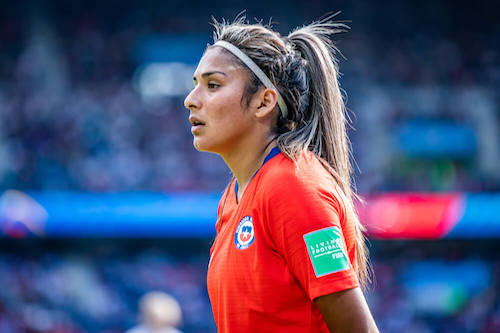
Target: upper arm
[
  {"x": 346, "y": 311},
  {"x": 302, "y": 220}
]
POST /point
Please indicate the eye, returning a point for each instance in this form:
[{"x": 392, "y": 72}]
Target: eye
[{"x": 213, "y": 85}]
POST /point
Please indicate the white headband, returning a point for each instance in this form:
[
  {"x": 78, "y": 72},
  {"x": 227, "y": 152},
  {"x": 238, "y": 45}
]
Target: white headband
[{"x": 256, "y": 70}]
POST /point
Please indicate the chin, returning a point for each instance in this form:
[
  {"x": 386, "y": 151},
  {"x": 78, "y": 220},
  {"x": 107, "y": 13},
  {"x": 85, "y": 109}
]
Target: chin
[{"x": 201, "y": 146}]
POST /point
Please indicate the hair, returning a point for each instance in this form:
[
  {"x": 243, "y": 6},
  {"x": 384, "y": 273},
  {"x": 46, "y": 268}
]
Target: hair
[{"x": 304, "y": 69}]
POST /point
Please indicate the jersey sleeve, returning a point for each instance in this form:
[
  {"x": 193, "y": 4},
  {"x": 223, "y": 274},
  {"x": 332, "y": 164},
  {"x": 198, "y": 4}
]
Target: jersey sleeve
[{"x": 303, "y": 220}]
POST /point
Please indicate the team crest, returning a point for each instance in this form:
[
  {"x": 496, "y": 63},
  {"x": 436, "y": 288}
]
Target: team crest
[{"x": 244, "y": 235}]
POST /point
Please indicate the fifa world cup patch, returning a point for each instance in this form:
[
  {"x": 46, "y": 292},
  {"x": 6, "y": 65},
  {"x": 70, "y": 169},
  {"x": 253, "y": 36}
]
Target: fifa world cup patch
[{"x": 327, "y": 251}]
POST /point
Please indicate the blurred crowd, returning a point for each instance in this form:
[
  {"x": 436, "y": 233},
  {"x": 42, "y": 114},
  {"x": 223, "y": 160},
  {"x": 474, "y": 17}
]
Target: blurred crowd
[
  {"x": 71, "y": 116},
  {"x": 81, "y": 289},
  {"x": 422, "y": 288},
  {"x": 441, "y": 287}
]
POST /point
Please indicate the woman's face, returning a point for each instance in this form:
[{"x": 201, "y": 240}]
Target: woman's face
[{"x": 218, "y": 118}]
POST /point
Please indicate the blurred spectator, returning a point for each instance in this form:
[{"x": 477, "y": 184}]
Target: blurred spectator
[{"x": 159, "y": 313}]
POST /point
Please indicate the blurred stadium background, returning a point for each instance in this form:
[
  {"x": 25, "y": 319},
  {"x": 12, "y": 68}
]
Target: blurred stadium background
[{"x": 103, "y": 197}]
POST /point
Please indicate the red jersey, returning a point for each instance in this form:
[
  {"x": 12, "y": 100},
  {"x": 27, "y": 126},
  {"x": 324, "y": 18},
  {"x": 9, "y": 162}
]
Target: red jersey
[{"x": 288, "y": 241}]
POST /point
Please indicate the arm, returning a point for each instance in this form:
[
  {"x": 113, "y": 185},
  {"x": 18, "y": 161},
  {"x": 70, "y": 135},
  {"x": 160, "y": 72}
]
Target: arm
[{"x": 346, "y": 311}]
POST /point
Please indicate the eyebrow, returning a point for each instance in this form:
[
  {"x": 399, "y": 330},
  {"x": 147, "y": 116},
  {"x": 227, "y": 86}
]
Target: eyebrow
[{"x": 204, "y": 75}]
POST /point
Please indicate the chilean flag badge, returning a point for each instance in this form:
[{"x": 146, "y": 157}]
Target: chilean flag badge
[{"x": 244, "y": 235}]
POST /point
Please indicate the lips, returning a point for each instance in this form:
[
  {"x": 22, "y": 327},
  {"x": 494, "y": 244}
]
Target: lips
[
  {"x": 195, "y": 121},
  {"x": 196, "y": 124}
]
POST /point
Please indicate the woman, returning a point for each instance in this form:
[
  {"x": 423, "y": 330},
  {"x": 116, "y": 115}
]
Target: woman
[{"x": 289, "y": 255}]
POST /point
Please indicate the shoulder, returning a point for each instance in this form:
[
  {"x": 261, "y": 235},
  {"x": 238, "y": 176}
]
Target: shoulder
[
  {"x": 305, "y": 170},
  {"x": 304, "y": 182}
]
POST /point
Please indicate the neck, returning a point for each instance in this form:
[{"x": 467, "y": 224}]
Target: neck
[{"x": 244, "y": 163}]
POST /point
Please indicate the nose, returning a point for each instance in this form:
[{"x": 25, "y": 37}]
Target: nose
[{"x": 191, "y": 101}]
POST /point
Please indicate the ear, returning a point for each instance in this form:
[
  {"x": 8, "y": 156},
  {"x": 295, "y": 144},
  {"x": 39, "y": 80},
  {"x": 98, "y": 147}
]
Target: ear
[{"x": 268, "y": 99}]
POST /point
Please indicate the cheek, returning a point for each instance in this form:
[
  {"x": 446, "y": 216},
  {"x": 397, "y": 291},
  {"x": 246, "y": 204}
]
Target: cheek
[
  {"x": 227, "y": 121},
  {"x": 226, "y": 128},
  {"x": 228, "y": 110}
]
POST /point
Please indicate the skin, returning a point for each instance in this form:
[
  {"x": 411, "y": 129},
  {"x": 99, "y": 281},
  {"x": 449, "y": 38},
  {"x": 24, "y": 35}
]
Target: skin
[
  {"x": 242, "y": 135},
  {"x": 346, "y": 312}
]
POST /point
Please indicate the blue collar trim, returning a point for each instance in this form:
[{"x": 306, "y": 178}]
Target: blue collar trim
[{"x": 275, "y": 151}]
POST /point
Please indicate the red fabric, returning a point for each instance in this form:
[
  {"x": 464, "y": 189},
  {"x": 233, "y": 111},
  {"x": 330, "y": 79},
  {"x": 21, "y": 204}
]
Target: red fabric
[{"x": 270, "y": 285}]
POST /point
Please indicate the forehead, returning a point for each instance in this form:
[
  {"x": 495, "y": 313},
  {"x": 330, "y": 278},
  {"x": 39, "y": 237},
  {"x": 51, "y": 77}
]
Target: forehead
[{"x": 215, "y": 59}]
